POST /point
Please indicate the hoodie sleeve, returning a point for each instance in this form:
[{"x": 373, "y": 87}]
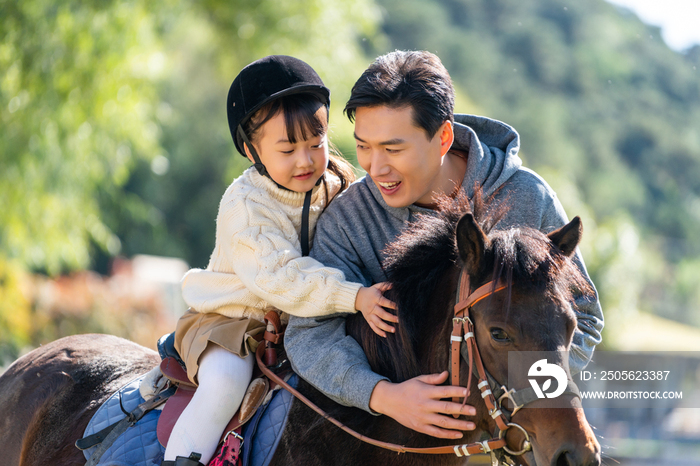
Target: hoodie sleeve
[
  {"x": 588, "y": 310},
  {"x": 319, "y": 349},
  {"x": 539, "y": 207}
]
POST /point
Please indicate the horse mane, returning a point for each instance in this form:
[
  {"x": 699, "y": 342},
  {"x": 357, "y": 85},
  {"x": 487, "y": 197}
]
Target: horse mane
[{"x": 419, "y": 261}]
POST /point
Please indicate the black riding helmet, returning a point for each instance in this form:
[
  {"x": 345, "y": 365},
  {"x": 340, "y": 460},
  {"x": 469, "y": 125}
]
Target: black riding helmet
[{"x": 262, "y": 82}]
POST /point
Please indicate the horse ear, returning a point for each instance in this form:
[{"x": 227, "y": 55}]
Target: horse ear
[
  {"x": 567, "y": 237},
  {"x": 471, "y": 243}
]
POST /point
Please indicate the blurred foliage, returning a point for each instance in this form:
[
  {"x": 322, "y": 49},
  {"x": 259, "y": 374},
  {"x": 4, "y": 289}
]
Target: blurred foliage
[
  {"x": 15, "y": 311},
  {"x": 35, "y": 308},
  {"x": 77, "y": 99},
  {"x": 114, "y": 140},
  {"x": 607, "y": 113},
  {"x": 206, "y": 47}
]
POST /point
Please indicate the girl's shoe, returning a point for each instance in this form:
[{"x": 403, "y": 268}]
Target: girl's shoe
[{"x": 192, "y": 460}]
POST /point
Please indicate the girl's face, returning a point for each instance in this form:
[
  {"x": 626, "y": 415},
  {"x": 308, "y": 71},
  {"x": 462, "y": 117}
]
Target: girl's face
[{"x": 296, "y": 166}]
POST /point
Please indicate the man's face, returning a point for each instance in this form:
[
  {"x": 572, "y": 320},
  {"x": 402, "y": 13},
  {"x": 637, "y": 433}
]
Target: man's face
[{"x": 397, "y": 154}]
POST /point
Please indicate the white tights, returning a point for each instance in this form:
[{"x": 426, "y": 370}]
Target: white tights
[{"x": 223, "y": 379}]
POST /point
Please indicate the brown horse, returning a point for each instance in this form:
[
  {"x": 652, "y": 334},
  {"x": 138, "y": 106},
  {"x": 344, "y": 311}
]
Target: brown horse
[
  {"x": 48, "y": 396},
  {"x": 533, "y": 314}
]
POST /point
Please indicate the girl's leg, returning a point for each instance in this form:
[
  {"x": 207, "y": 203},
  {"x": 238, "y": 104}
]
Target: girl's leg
[{"x": 223, "y": 379}]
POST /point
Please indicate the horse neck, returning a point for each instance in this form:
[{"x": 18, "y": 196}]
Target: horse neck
[{"x": 431, "y": 348}]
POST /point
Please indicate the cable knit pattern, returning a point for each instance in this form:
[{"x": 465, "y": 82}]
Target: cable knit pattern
[{"x": 257, "y": 264}]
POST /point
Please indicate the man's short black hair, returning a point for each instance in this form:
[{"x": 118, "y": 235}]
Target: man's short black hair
[{"x": 413, "y": 79}]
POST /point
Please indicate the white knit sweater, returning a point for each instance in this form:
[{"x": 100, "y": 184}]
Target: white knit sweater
[{"x": 257, "y": 264}]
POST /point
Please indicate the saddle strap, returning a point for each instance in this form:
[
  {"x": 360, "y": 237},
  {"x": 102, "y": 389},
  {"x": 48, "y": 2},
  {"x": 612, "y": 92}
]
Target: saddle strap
[
  {"x": 274, "y": 333},
  {"x": 460, "y": 450},
  {"x": 230, "y": 451},
  {"x": 106, "y": 437}
]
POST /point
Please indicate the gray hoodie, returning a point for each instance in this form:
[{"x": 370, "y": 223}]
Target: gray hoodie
[{"x": 353, "y": 231}]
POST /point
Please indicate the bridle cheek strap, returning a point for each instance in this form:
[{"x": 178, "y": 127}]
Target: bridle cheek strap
[
  {"x": 456, "y": 339},
  {"x": 462, "y": 326},
  {"x": 463, "y": 329}
]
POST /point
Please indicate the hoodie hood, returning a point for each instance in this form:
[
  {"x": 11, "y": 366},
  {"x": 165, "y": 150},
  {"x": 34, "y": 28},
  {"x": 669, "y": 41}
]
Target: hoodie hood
[
  {"x": 492, "y": 148},
  {"x": 493, "y": 152}
]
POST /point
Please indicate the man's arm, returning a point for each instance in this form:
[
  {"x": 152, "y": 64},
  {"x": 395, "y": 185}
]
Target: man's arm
[
  {"x": 588, "y": 311},
  {"x": 319, "y": 349},
  {"x": 323, "y": 354},
  {"x": 336, "y": 365}
]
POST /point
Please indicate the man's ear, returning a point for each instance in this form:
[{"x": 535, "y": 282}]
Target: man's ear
[{"x": 447, "y": 137}]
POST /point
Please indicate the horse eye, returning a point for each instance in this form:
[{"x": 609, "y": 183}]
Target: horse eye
[{"x": 499, "y": 335}]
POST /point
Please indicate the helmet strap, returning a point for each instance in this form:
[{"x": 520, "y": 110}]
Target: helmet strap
[
  {"x": 304, "y": 239},
  {"x": 306, "y": 209},
  {"x": 305, "y": 243},
  {"x": 256, "y": 158}
]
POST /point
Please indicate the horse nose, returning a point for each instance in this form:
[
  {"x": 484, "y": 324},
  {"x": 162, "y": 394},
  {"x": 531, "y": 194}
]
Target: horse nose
[{"x": 582, "y": 456}]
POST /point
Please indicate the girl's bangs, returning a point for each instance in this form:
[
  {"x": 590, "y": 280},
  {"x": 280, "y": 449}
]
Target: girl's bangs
[{"x": 301, "y": 117}]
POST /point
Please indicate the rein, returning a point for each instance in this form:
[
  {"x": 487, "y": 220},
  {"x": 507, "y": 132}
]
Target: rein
[
  {"x": 264, "y": 359},
  {"x": 486, "y": 446}
]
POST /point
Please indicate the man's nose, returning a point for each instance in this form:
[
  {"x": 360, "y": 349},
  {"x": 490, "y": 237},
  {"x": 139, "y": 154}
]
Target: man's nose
[{"x": 379, "y": 164}]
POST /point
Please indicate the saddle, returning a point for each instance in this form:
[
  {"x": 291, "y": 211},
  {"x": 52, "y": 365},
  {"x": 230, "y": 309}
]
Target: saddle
[
  {"x": 173, "y": 368},
  {"x": 175, "y": 373},
  {"x": 167, "y": 388}
]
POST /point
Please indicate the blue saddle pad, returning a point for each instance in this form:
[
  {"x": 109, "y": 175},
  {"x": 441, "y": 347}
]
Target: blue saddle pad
[
  {"x": 262, "y": 433},
  {"x": 139, "y": 445}
]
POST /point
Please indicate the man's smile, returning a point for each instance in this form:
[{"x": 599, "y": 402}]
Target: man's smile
[{"x": 389, "y": 186}]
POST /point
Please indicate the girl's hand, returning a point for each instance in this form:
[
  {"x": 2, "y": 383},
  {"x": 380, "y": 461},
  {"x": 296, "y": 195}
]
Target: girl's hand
[{"x": 370, "y": 301}]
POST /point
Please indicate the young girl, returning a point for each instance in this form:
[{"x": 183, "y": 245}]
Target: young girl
[{"x": 278, "y": 115}]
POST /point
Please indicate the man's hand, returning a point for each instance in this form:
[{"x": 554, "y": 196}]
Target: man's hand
[{"x": 417, "y": 404}]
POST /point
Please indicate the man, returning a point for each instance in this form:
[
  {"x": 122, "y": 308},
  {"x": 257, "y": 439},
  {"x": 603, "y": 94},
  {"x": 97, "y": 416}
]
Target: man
[{"x": 414, "y": 149}]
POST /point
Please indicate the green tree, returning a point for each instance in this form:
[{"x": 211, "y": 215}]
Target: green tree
[
  {"x": 170, "y": 209},
  {"x": 599, "y": 101},
  {"x": 77, "y": 109},
  {"x": 113, "y": 133}
]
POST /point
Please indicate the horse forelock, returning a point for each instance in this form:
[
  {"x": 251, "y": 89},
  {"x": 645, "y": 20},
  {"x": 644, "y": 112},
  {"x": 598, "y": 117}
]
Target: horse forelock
[{"x": 525, "y": 258}]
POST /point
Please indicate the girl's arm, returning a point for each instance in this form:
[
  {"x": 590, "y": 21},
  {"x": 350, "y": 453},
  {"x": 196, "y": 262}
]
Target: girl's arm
[{"x": 270, "y": 266}]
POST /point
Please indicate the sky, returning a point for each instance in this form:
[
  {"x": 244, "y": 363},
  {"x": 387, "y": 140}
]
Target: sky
[{"x": 679, "y": 19}]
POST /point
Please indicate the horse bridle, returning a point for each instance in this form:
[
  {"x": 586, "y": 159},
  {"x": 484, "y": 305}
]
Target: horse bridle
[
  {"x": 463, "y": 330},
  {"x": 493, "y": 395}
]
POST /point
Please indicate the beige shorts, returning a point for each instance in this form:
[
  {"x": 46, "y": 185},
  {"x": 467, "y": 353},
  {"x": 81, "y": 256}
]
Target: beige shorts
[{"x": 196, "y": 330}]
